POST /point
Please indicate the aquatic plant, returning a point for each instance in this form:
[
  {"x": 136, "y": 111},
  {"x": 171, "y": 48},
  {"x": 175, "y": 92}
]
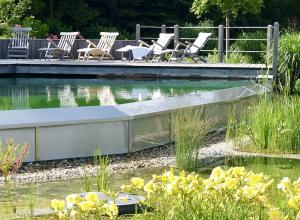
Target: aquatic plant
[
  {"x": 102, "y": 174},
  {"x": 288, "y": 61},
  {"x": 190, "y": 129},
  {"x": 87, "y": 181},
  {"x": 269, "y": 125},
  {"x": 11, "y": 157}
]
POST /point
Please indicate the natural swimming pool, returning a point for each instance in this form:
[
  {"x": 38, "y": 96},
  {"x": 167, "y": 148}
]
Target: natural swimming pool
[{"x": 33, "y": 93}]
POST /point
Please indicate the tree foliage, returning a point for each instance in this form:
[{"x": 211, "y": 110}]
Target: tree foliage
[
  {"x": 91, "y": 16},
  {"x": 11, "y": 13},
  {"x": 229, "y": 8}
]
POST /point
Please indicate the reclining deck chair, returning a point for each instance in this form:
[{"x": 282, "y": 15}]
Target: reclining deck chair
[
  {"x": 191, "y": 49},
  {"x": 101, "y": 50},
  {"x": 18, "y": 46},
  {"x": 62, "y": 49},
  {"x": 144, "y": 50}
]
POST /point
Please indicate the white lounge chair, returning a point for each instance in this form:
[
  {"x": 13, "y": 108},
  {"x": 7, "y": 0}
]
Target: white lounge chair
[
  {"x": 62, "y": 49},
  {"x": 144, "y": 50},
  {"x": 191, "y": 49},
  {"x": 101, "y": 50},
  {"x": 18, "y": 46}
]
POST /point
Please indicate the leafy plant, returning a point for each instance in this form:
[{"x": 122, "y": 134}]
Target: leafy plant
[
  {"x": 11, "y": 13},
  {"x": 289, "y": 61},
  {"x": 227, "y": 194},
  {"x": 11, "y": 157},
  {"x": 39, "y": 29},
  {"x": 190, "y": 130}
]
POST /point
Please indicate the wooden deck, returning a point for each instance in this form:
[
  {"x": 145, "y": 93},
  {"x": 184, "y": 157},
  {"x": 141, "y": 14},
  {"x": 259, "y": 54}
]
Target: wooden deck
[{"x": 130, "y": 69}]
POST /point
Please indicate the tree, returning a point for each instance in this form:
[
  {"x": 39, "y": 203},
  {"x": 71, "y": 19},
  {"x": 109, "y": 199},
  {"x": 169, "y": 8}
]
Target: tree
[
  {"x": 229, "y": 8},
  {"x": 11, "y": 13}
]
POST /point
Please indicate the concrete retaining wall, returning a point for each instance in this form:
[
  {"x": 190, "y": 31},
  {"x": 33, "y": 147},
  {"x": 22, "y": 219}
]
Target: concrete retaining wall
[{"x": 77, "y": 132}]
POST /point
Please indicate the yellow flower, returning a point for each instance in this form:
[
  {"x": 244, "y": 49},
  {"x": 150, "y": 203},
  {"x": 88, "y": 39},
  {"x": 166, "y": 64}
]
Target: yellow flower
[
  {"x": 171, "y": 188},
  {"x": 137, "y": 182},
  {"x": 238, "y": 171},
  {"x": 294, "y": 202},
  {"x": 73, "y": 199},
  {"x": 149, "y": 187},
  {"x": 284, "y": 183},
  {"x": 217, "y": 174},
  {"x": 85, "y": 206},
  {"x": 111, "y": 210},
  {"x": 57, "y": 205},
  {"x": 230, "y": 183},
  {"x": 255, "y": 178},
  {"x": 249, "y": 192},
  {"x": 275, "y": 214},
  {"x": 126, "y": 188},
  {"x": 92, "y": 197}
]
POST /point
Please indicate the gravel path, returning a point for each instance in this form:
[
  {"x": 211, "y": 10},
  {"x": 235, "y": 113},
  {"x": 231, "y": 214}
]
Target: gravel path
[{"x": 156, "y": 157}]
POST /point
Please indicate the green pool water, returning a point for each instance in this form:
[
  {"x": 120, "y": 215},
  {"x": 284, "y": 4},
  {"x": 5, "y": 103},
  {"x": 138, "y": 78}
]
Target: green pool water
[
  {"x": 42, "y": 193},
  {"x": 32, "y": 93}
]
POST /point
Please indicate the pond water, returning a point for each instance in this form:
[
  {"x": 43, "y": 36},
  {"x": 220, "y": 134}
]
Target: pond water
[
  {"x": 31, "y": 93},
  {"x": 42, "y": 193}
]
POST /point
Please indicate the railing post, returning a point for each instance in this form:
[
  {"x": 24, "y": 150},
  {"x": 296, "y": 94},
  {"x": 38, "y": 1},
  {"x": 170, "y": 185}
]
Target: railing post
[
  {"x": 269, "y": 42},
  {"x": 275, "y": 50},
  {"x": 163, "y": 28},
  {"x": 176, "y": 34},
  {"x": 220, "y": 43},
  {"x": 137, "y": 32}
]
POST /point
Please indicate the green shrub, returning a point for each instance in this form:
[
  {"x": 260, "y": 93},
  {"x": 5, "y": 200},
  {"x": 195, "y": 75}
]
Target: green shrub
[
  {"x": 232, "y": 57},
  {"x": 246, "y": 45},
  {"x": 238, "y": 58},
  {"x": 39, "y": 29},
  {"x": 289, "y": 61}
]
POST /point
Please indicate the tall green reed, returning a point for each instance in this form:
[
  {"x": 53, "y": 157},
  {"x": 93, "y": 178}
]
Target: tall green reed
[
  {"x": 102, "y": 174},
  {"x": 101, "y": 164},
  {"x": 288, "y": 61},
  {"x": 190, "y": 130},
  {"x": 270, "y": 125}
]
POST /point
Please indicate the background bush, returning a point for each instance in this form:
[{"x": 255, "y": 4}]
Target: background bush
[
  {"x": 246, "y": 45},
  {"x": 289, "y": 61}
]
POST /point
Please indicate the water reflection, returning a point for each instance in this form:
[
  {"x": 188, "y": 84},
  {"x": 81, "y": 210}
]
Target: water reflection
[{"x": 22, "y": 93}]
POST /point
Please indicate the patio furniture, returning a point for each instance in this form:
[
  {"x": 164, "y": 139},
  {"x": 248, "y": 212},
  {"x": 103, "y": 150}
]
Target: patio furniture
[
  {"x": 144, "y": 50},
  {"x": 62, "y": 49},
  {"x": 101, "y": 50},
  {"x": 191, "y": 49},
  {"x": 18, "y": 46}
]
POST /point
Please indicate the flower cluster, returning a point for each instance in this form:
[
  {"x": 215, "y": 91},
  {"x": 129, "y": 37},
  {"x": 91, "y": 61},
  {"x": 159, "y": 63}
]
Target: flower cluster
[
  {"x": 224, "y": 188},
  {"x": 84, "y": 207},
  {"x": 291, "y": 191}
]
